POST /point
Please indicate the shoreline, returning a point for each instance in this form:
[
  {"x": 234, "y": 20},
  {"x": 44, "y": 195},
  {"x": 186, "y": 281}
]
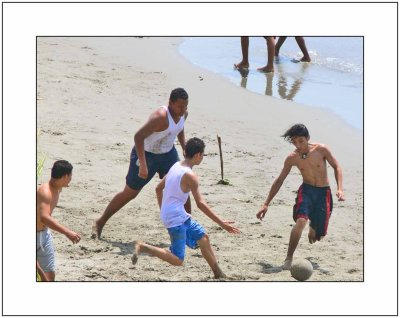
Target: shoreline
[
  {"x": 296, "y": 82},
  {"x": 94, "y": 93}
]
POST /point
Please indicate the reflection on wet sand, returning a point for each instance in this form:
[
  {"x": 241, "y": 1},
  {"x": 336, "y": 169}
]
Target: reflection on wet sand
[{"x": 282, "y": 88}]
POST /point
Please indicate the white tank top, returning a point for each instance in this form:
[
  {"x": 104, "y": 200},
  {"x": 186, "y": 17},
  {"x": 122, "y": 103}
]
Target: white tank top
[
  {"x": 172, "y": 207},
  {"x": 163, "y": 141}
]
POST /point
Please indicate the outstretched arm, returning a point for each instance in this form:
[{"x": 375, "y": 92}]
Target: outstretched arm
[
  {"x": 338, "y": 172},
  {"x": 193, "y": 183},
  {"x": 45, "y": 217},
  {"x": 275, "y": 188}
]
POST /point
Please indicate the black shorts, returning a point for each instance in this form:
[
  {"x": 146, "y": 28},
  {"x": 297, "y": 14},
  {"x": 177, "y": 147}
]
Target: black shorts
[
  {"x": 314, "y": 203},
  {"x": 160, "y": 163}
]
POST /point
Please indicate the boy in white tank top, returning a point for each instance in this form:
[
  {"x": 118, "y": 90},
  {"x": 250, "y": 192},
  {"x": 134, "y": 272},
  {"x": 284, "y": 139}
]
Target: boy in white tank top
[
  {"x": 153, "y": 152},
  {"x": 172, "y": 193}
]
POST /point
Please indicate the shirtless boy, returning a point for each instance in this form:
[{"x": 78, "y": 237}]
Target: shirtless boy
[
  {"x": 154, "y": 151},
  {"x": 47, "y": 198},
  {"x": 172, "y": 193},
  {"x": 314, "y": 199}
]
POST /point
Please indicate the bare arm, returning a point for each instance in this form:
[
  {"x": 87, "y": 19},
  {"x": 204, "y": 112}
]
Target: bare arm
[
  {"x": 159, "y": 191},
  {"x": 44, "y": 200},
  {"x": 275, "y": 187},
  {"x": 155, "y": 123},
  {"x": 181, "y": 136},
  {"x": 193, "y": 183},
  {"x": 338, "y": 172}
]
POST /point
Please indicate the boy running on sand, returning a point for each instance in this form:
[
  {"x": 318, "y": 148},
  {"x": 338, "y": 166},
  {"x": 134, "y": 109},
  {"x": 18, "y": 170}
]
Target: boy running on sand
[
  {"x": 183, "y": 230},
  {"x": 314, "y": 199},
  {"x": 153, "y": 152}
]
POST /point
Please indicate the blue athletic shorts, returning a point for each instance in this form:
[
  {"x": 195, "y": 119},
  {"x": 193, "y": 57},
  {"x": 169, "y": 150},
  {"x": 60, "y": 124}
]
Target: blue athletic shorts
[
  {"x": 160, "y": 163},
  {"x": 315, "y": 204},
  {"x": 186, "y": 234}
]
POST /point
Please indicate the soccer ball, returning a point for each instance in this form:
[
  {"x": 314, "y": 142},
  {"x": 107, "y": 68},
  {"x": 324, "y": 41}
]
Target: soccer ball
[{"x": 301, "y": 270}]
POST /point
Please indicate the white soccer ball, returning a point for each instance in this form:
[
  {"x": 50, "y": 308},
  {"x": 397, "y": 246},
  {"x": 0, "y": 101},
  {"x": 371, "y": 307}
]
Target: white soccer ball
[{"x": 301, "y": 270}]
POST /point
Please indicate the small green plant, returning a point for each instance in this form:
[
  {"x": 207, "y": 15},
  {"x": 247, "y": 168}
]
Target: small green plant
[
  {"x": 41, "y": 160},
  {"x": 39, "y": 166}
]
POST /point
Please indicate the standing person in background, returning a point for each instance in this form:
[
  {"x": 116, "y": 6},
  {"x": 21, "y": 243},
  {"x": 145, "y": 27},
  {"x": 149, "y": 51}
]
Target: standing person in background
[
  {"x": 47, "y": 196},
  {"x": 244, "y": 63},
  {"x": 154, "y": 151},
  {"x": 300, "y": 42}
]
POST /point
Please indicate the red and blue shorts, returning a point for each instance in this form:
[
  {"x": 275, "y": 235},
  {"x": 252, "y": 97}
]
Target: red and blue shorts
[{"x": 314, "y": 204}]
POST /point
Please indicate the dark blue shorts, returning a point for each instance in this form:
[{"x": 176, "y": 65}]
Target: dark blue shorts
[
  {"x": 160, "y": 163},
  {"x": 315, "y": 204},
  {"x": 186, "y": 234}
]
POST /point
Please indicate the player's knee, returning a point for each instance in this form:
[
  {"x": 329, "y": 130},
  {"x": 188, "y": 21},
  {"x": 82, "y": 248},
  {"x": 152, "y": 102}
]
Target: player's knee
[
  {"x": 205, "y": 239},
  {"x": 178, "y": 262},
  {"x": 301, "y": 223}
]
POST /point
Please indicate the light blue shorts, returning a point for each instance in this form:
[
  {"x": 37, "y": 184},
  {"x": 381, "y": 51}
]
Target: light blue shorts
[
  {"x": 186, "y": 234},
  {"x": 45, "y": 250}
]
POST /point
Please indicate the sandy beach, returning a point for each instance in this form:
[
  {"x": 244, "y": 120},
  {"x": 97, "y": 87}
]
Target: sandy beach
[{"x": 92, "y": 96}]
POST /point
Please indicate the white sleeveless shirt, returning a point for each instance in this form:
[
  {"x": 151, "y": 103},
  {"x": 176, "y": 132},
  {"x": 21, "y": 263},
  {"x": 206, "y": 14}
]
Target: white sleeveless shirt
[
  {"x": 163, "y": 141},
  {"x": 172, "y": 207}
]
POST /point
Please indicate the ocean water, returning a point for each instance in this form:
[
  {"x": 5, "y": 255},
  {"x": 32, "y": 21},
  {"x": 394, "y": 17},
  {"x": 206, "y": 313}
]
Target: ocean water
[{"x": 333, "y": 79}]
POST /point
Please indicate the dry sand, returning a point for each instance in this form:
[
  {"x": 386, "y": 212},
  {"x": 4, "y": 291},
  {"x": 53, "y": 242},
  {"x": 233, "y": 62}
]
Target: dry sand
[{"x": 94, "y": 93}]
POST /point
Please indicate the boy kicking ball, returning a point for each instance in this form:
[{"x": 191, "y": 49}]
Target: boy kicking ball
[
  {"x": 314, "y": 198},
  {"x": 172, "y": 194}
]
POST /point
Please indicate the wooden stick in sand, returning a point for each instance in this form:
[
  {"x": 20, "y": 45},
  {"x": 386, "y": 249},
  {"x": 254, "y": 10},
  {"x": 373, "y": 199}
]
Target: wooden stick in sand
[{"x": 222, "y": 181}]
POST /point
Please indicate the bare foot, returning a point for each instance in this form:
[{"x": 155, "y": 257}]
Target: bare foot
[
  {"x": 96, "y": 230},
  {"x": 266, "y": 69},
  {"x": 305, "y": 60},
  {"x": 302, "y": 60},
  {"x": 287, "y": 265},
  {"x": 136, "y": 252},
  {"x": 218, "y": 273},
  {"x": 241, "y": 65}
]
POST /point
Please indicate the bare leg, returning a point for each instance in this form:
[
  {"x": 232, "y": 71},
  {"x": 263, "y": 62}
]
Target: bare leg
[
  {"x": 208, "y": 254},
  {"x": 311, "y": 235},
  {"x": 51, "y": 276},
  {"x": 271, "y": 53},
  {"x": 279, "y": 44},
  {"x": 244, "y": 63},
  {"x": 119, "y": 200},
  {"x": 302, "y": 45},
  {"x": 295, "y": 236},
  {"x": 165, "y": 255}
]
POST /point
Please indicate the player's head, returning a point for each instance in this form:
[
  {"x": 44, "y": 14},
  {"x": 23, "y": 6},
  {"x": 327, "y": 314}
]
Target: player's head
[
  {"x": 194, "y": 149},
  {"x": 62, "y": 170},
  {"x": 298, "y": 135},
  {"x": 178, "y": 101},
  {"x": 298, "y": 130}
]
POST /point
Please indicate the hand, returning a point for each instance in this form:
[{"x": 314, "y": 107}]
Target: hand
[
  {"x": 340, "y": 195},
  {"x": 143, "y": 172},
  {"x": 73, "y": 237},
  {"x": 260, "y": 215},
  {"x": 229, "y": 228}
]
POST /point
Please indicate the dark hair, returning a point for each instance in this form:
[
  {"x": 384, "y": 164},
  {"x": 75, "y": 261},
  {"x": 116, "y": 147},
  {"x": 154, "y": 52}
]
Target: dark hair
[
  {"x": 60, "y": 169},
  {"x": 298, "y": 130},
  {"x": 193, "y": 146},
  {"x": 178, "y": 93}
]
